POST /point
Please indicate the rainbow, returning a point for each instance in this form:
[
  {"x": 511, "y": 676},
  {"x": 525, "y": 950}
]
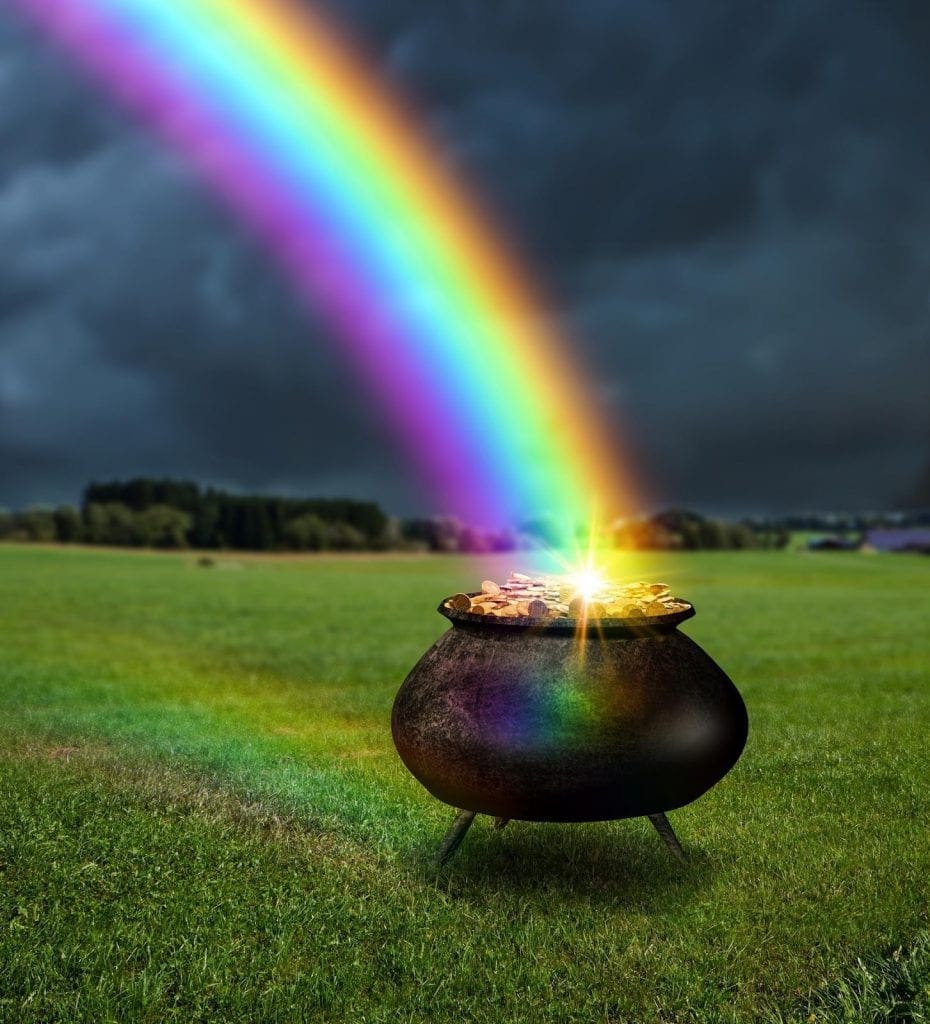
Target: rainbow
[{"x": 289, "y": 126}]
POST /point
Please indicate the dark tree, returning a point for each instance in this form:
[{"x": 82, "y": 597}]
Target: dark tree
[{"x": 69, "y": 527}]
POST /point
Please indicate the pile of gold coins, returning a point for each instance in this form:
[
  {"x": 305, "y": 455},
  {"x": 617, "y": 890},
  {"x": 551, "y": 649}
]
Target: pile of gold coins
[{"x": 555, "y": 597}]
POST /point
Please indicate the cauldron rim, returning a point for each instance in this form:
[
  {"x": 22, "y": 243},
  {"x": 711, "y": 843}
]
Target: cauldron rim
[{"x": 645, "y": 626}]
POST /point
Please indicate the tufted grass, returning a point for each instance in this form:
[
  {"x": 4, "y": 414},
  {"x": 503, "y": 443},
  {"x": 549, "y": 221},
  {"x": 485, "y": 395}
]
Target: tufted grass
[{"x": 202, "y": 817}]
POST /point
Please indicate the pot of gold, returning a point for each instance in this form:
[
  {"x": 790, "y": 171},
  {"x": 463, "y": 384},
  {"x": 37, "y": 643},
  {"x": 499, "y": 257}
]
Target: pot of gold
[{"x": 543, "y": 705}]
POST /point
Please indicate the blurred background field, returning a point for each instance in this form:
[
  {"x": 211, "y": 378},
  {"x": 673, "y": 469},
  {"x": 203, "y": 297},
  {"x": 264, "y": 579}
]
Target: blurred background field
[{"x": 203, "y": 816}]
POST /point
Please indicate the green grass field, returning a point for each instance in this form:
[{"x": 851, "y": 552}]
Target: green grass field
[{"x": 202, "y": 817}]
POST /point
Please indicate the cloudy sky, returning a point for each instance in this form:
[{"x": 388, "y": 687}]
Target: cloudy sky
[{"x": 728, "y": 202}]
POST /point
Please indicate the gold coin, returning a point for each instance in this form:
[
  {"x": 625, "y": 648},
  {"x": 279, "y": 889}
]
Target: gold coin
[{"x": 555, "y": 597}]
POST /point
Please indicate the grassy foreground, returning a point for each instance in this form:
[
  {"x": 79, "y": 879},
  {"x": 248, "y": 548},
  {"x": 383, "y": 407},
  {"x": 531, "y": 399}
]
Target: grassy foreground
[{"x": 202, "y": 816}]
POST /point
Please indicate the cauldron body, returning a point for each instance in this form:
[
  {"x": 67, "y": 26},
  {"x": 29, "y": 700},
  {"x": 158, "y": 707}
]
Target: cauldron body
[{"x": 531, "y": 721}]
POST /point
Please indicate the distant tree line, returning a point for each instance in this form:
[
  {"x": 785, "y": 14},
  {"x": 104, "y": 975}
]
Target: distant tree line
[
  {"x": 179, "y": 514},
  {"x": 683, "y": 530}
]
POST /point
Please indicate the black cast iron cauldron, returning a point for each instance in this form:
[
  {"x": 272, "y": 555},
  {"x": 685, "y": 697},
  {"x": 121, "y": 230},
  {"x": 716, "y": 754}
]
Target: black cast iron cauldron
[{"x": 529, "y": 719}]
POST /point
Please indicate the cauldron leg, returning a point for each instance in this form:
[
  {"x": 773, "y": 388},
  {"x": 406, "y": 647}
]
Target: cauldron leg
[
  {"x": 454, "y": 836},
  {"x": 501, "y": 822},
  {"x": 665, "y": 830}
]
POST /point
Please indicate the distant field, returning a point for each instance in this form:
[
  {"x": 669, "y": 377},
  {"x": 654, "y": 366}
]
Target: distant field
[{"x": 203, "y": 817}]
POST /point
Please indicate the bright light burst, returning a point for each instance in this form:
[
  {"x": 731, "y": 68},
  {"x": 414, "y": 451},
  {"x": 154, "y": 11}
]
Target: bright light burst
[{"x": 588, "y": 582}]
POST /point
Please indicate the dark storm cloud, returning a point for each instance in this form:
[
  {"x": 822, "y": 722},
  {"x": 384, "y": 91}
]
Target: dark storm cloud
[
  {"x": 727, "y": 201},
  {"x": 139, "y": 331}
]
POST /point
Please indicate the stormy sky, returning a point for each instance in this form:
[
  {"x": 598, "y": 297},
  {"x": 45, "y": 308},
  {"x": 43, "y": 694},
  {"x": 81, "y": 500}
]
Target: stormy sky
[{"x": 729, "y": 204}]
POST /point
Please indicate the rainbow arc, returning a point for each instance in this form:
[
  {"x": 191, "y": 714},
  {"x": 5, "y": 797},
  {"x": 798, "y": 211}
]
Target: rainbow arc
[{"x": 289, "y": 125}]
